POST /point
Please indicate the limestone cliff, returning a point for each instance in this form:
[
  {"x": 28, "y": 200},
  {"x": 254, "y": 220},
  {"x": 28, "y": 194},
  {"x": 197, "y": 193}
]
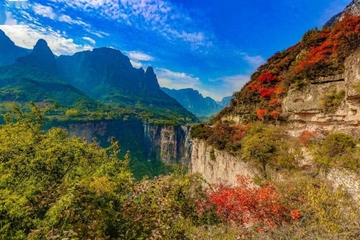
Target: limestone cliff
[
  {"x": 305, "y": 107},
  {"x": 217, "y": 166},
  {"x": 170, "y": 144}
]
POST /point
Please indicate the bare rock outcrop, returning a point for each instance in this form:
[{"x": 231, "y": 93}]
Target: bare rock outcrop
[{"x": 305, "y": 107}]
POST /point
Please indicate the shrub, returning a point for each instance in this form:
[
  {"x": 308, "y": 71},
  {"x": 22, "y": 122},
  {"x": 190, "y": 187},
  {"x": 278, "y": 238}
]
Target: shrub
[
  {"x": 330, "y": 101},
  {"x": 270, "y": 146},
  {"x": 337, "y": 149}
]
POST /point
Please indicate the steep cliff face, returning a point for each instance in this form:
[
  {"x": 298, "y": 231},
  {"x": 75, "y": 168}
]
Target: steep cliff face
[
  {"x": 307, "y": 108},
  {"x": 218, "y": 166},
  {"x": 170, "y": 144}
]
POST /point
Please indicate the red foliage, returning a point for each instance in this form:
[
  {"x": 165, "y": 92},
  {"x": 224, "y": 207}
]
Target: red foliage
[
  {"x": 305, "y": 137},
  {"x": 261, "y": 113},
  {"x": 274, "y": 101},
  {"x": 266, "y": 77},
  {"x": 265, "y": 92},
  {"x": 246, "y": 204},
  {"x": 338, "y": 37},
  {"x": 239, "y": 131},
  {"x": 265, "y": 85},
  {"x": 275, "y": 114},
  {"x": 295, "y": 214}
]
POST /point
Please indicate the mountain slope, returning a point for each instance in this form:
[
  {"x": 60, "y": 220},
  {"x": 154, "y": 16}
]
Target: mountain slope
[
  {"x": 41, "y": 57},
  {"x": 108, "y": 75},
  {"x": 225, "y": 101},
  {"x": 32, "y": 78}
]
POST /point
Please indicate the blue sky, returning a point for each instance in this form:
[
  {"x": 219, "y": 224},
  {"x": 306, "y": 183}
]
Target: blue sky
[{"x": 209, "y": 45}]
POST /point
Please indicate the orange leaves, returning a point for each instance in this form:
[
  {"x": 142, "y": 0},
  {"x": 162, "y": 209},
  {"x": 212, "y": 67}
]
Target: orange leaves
[
  {"x": 261, "y": 113},
  {"x": 246, "y": 204},
  {"x": 275, "y": 114},
  {"x": 274, "y": 101},
  {"x": 295, "y": 214}
]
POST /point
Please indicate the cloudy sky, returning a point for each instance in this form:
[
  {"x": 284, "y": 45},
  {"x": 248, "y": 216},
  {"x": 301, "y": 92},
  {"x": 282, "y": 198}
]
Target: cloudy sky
[{"x": 209, "y": 45}]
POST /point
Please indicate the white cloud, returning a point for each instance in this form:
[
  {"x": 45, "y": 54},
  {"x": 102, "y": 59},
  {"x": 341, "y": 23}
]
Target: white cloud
[
  {"x": 136, "y": 64},
  {"x": 235, "y": 83},
  {"x": 44, "y": 11},
  {"x": 27, "y": 35},
  {"x": 92, "y": 41},
  {"x": 225, "y": 86},
  {"x": 48, "y": 12},
  {"x": 69, "y": 20},
  {"x": 217, "y": 89},
  {"x": 99, "y": 34},
  {"x": 176, "y": 80},
  {"x": 139, "y": 56},
  {"x": 253, "y": 61},
  {"x": 160, "y": 16}
]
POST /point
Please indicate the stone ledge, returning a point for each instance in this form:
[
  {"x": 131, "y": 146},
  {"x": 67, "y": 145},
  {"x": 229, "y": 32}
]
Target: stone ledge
[{"x": 328, "y": 79}]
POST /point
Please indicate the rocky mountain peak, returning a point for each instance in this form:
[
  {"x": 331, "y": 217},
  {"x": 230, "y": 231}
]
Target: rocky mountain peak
[
  {"x": 150, "y": 71},
  {"x": 151, "y": 82},
  {"x": 41, "y": 57},
  {"x": 353, "y": 9},
  {"x": 41, "y": 46}
]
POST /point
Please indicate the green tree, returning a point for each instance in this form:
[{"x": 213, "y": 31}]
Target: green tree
[
  {"x": 337, "y": 149},
  {"x": 53, "y": 186},
  {"x": 269, "y": 146}
]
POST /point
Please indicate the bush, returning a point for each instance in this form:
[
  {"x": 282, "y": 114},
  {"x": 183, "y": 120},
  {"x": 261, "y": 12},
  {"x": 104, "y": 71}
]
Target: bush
[
  {"x": 322, "y": 212},
  {"x": 337, "y": 149},
  {"x": 269, "y": 146},
  {"x": 330, "y": 101}
]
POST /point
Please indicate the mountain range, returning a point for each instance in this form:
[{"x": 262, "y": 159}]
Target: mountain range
[
  {"x": 194, "y": 101},
  {"x": 101, "y": 81}
]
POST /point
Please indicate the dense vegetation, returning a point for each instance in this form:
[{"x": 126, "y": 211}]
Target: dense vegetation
[{"x": 53, "y": 186}]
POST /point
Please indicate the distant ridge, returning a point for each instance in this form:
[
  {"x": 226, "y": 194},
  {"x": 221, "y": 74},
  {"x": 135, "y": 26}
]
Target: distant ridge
[{"x": 193, "y": 101}]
